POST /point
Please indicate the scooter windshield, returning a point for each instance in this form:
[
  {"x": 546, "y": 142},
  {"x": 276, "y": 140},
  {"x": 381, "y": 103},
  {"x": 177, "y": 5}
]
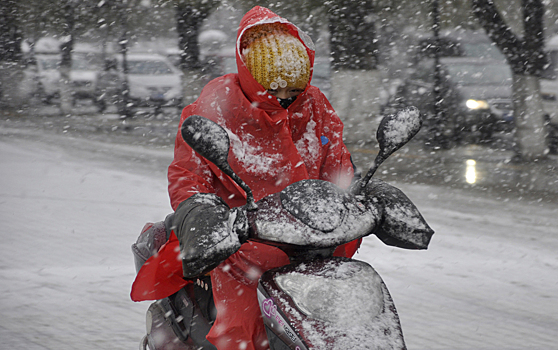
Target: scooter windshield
[
  {"x": 318, "y": 204},
  {"x": 312, "y": 213}
]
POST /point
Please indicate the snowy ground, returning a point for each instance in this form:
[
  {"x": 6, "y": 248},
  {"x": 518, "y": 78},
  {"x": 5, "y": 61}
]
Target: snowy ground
[{"x": 70, "y": 209}]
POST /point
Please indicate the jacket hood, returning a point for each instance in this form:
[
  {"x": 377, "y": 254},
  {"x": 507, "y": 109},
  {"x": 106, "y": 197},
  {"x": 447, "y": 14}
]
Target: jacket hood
[{"x": 255, "y": 92}]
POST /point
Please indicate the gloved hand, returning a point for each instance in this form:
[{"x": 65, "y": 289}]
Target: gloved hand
[
  {"x": 401, "y": 224},
  {"x": 208, "y": 232}
]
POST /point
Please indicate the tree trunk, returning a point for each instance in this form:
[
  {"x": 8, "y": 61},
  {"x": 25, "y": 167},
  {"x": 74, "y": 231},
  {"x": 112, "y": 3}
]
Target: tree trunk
[
  {"x": 189, "y": 20},
  {"x": 527, "y": 59},
  {"x": 530, "y": 132},
  {"x": 355, "y": 96},
  {"x": 66, "y": 97},
  {"x": 356, "y": 84},
  {"x": 11, "y": 68},
  {"x": 12, "y": 96},
  {"x": 124, "y": 105}
]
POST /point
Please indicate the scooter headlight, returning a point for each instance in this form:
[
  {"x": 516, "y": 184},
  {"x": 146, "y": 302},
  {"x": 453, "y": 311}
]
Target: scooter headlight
[{"x": 336, "y": 295}]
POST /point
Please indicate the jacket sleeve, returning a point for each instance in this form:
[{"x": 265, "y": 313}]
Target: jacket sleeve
[
  {"x": 337, "y": 166},
  {"x": 188, "y": 173}
]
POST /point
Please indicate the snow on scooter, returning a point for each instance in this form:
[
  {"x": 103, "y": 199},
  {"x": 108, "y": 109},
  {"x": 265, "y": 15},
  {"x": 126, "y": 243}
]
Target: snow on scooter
[{"x": 318, "y": 301}]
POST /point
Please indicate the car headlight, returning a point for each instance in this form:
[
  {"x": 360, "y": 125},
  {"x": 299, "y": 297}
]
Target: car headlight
[
  {"x": 477, "y": 104},
  {"x": 338, "y": 294}
]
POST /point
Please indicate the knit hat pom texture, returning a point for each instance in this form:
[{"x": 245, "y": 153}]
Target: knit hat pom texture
[{"x": 274, "y": 57}]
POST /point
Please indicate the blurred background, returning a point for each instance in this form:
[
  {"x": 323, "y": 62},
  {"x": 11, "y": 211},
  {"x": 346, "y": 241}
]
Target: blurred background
[{"x": 130, "y": 66}]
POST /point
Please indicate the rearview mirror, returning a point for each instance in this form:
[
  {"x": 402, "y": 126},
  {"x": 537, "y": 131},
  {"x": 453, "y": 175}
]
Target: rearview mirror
[
  {"x": 394, "y": 132},
  {"x": 212, "y": 142}
]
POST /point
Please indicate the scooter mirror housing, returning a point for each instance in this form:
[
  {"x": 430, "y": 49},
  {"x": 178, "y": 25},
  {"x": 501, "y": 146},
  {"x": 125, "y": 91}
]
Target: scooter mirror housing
[
  {"x": 207, "y": 138},
  {"x": 394, "y": 131},
  {"x": 212, "y": 142}
]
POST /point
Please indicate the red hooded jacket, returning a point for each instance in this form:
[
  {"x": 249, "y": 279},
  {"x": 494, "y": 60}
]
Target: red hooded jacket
[{"x": 271, "y": 148}]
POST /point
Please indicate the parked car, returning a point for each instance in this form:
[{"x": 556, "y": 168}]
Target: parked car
[
  {"x": 173, "y": 55},
  {"x": 48, "y": 75},
  {"x": 476, "y": 96},
  {"x": 82, "y": 75},
  {"x": 153, "y": 80}
]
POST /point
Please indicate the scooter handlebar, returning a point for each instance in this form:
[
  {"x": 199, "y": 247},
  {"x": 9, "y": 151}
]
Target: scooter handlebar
[{"x": 312, "y": 214}]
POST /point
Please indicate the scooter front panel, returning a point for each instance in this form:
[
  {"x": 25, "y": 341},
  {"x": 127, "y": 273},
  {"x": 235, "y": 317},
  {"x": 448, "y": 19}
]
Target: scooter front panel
[
  {"x": 330, "y": 316},
  {"x": 277, "y": 324}
]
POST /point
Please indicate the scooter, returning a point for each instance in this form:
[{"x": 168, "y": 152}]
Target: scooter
[{"x": 318, "y": 301}]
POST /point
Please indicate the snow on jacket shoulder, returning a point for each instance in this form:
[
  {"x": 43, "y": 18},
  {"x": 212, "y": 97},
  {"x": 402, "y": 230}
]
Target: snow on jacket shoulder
[{"x": 271, "y": 147}]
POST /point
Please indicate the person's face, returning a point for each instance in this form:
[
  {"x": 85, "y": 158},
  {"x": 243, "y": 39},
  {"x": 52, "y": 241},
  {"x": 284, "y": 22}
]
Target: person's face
[{"x": 286, "y": 92}]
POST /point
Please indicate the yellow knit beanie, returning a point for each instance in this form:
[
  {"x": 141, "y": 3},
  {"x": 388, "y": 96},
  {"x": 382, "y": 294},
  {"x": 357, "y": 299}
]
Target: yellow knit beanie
[{"x": 274, "y": 57}]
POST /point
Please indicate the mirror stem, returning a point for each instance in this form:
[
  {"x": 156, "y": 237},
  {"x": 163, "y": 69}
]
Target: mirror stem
[
  {"x": 361, "y": 184},
  {"x": 250, "y": 203}
]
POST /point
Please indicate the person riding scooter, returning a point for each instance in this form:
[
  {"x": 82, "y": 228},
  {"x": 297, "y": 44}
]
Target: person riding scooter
[{"x": 282, "y": 130}]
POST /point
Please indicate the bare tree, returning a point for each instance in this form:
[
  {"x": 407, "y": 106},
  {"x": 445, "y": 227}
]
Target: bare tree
[
  {"x": 10, "y": 53},
  {"x": 526, "y": 56},
  {"x": 66, "y": 48},
  {"x": 189, "y": 16},
  {"x": 356, "y": 81}
]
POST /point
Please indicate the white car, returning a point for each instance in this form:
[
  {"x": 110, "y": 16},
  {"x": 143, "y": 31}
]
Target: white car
[
  {"x": 82, "y": 76},
  {"x": 48, "y": 75},
  {"x": 152, "y": 80}
]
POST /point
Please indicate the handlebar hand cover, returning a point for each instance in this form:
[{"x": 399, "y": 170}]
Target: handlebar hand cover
[
  {"x": 208, "y": 232},
  {"x": 401, "y": 224}
]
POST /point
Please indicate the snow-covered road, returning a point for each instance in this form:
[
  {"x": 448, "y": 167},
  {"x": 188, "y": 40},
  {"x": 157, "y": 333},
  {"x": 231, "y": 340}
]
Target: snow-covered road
[{"x": 70, "y": 209}]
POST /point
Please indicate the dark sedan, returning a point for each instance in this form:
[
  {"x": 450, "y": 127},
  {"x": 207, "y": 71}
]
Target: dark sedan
[{"x": 477, "y": 97}]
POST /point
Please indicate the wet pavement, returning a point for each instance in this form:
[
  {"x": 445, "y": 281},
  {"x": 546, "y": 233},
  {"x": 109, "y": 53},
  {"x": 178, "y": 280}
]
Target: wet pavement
[
  {"x": 485, "y": 168},
  {"x": 488, "y": 168},
  {"x": 487, "y": 281}
]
